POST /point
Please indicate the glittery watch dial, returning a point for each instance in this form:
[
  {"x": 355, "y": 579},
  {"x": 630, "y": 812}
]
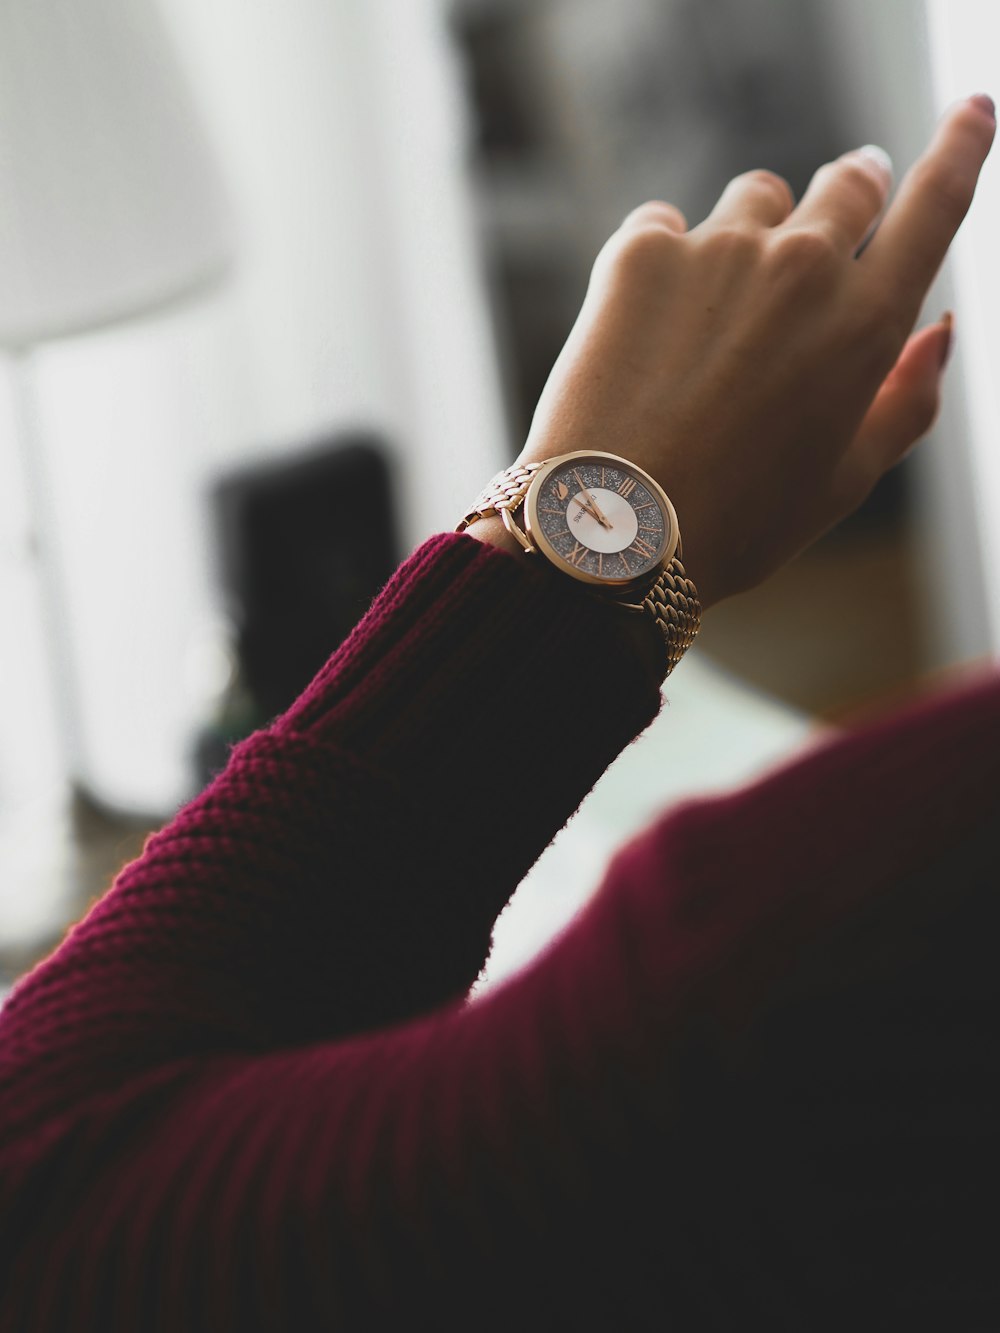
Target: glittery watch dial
[{"x": 601, "y": 520}]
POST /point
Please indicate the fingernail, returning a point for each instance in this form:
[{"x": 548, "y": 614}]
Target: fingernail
[
  {"x": 881, "y": 160},
  {"x": 948, "y": 322},
  {"x": 985, "y": 103}
]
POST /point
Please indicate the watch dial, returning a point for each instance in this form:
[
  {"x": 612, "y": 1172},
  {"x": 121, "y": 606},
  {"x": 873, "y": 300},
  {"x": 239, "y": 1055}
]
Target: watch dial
[{"x": 601, "y": 520}]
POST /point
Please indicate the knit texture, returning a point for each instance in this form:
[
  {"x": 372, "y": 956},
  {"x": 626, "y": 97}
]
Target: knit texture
[{"x": 248, "y": 1091}]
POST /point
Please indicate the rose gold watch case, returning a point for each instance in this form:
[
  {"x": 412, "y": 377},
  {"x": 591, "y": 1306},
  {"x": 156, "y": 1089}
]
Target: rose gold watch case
[{"x": 533, "y": 526}]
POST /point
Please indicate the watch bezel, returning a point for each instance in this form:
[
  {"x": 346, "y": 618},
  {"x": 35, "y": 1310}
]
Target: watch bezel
[{"x": 533, "y": 526}]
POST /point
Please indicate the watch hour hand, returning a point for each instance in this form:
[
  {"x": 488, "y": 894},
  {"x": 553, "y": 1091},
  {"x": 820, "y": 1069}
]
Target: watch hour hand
[
  {"x": 593, "y": 512},
  {"x": 591, "y": 506}
]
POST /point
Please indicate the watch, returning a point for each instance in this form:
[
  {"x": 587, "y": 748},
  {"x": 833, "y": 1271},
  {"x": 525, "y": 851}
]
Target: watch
[{"x": 605, "y": 523}]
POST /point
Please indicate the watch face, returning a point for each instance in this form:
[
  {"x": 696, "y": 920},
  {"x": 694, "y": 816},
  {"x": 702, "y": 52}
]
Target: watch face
[{"x": 601, "y": 519}]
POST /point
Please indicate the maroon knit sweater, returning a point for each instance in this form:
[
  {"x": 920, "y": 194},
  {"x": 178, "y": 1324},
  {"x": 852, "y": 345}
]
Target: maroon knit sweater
[{"x": 747, "y": 1088}]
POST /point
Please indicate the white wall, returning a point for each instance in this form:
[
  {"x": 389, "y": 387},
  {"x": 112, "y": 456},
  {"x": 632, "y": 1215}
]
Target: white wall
[
  {"x": 31, "y": 759},
  {"x": 355, "y": 300},
  {"x": 965, "y": 58}
]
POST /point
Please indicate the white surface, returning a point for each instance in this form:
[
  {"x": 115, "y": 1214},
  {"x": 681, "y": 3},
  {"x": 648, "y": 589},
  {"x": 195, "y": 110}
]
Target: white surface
[
  {"x": 39, "y": 887},
  {"x": 31, "y": 750},
  {"x": 111, "y": 206},
  {"x": 356, "y": 300},
  {"x": 712, "y": 733},
  {"x": 965, "y": 58},
  {"x": 111, "y": 201}
]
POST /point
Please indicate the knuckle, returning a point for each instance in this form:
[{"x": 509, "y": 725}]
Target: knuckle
[
  {"x": 731, "y": 244},
  {"x": 655, "y": 212},
  {"x": 769, "y": 182},
  {"x": 806, "y": 256},
  {"x": 823, "y": 176},
  {"x": 860, "y": 180},
  {"x": 643, "y": 251}
]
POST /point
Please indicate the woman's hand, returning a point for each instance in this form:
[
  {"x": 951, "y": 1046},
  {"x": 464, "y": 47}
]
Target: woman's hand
[{"x": 758, "y": 369}]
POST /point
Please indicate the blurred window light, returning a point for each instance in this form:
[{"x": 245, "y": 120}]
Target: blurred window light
[{"x": 965, "y": 58}]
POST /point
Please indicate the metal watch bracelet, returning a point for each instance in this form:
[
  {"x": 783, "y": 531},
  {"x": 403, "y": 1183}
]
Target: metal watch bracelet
[{"x": 672, "y": 600}]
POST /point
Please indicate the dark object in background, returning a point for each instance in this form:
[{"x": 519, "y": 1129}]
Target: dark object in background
[{"x": 304, "y": 544}]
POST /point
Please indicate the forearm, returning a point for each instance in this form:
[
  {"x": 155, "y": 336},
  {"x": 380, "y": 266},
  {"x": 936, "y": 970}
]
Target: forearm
[
  {"x": 345, "y": 870},
  {"x": 638, "y": 1129}
]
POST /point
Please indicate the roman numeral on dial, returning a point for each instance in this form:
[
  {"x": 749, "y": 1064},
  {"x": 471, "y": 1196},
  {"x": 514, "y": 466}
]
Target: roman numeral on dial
[
  {"x": 643, "y": 548},
  {"x": 627, "y": 487},
  {"x": 576, "y": 556}
]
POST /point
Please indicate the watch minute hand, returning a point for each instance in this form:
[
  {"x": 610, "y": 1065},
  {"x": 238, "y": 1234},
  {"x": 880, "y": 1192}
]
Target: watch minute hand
[
  {"x": 592, "y": 503},
  {"x": 592, "y": 511}
]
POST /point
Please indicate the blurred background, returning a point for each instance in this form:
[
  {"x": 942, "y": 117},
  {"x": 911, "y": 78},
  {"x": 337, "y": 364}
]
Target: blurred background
[{"x": 280, "y": 287}]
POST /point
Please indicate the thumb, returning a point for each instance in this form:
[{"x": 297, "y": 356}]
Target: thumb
[
  {"x": 924, "y": 356},
  {"x": 906, "y": 405}
]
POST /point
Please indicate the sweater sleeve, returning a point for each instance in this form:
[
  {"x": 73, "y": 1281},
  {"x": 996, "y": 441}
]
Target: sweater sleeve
[
  {"x": 344, "y": 871},
  {"x": 745, "y": 1088}
]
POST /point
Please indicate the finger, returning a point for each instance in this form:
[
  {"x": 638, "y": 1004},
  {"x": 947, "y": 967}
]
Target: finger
[
  {"x": 901, "y": 413},
  {"x": 759, "y": 198},
  {"x": 933, "y": 198},
  {"x": 651, "y": 217},
  {"x": 845, "y": 197},
  {"x": 655, "y": 213}
]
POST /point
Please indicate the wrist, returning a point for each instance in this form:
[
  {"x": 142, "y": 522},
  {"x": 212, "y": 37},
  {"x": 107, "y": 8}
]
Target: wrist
[
  {"x": 636, "y": 630},
  {"x": 492, "y": 531}
]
